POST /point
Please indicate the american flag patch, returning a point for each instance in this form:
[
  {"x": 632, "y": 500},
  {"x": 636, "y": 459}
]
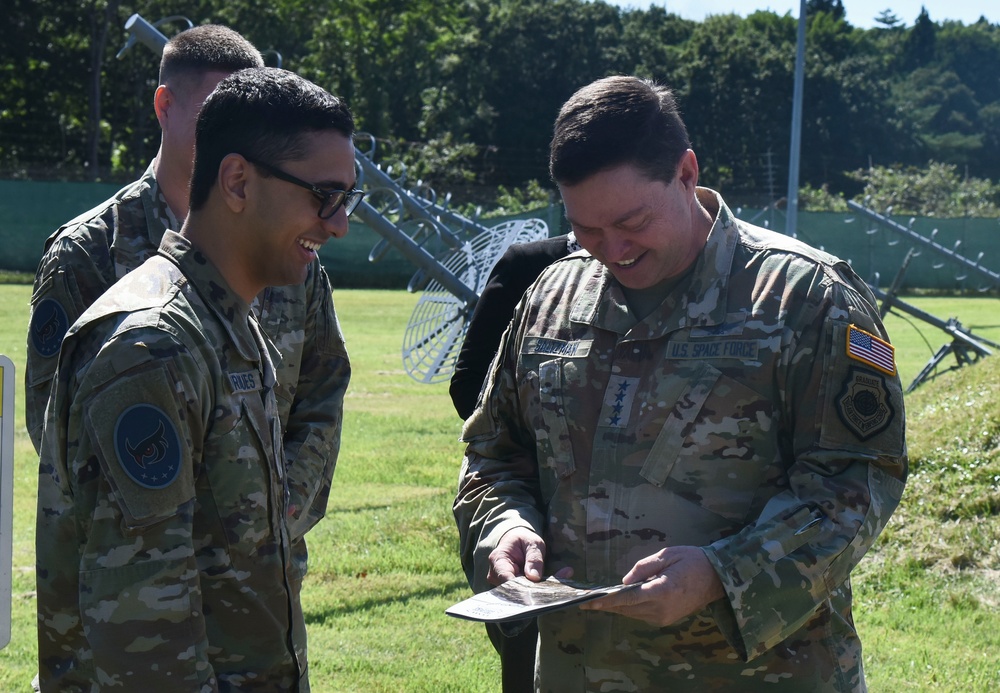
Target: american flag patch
[{"x": 867, "y": 348}]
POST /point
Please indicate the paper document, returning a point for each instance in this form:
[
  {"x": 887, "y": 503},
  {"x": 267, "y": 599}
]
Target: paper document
[{"x": 521, "y": 598}]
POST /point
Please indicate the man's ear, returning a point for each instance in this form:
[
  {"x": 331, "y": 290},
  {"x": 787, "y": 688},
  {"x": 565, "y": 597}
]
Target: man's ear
[
  {"x": 687, "y": 170},
  {"x": 163, "y": 99},
  {"x": 233, "y": 181}
]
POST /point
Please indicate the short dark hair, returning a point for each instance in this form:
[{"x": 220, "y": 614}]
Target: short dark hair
[
  {"x": 615, "y": 121},
  {"x": 263, "y": 114},
  {"x": 207, "y": 48}
]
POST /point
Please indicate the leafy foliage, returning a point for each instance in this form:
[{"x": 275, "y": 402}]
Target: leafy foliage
[
  {"x": 937, "y": 191},
  {"x": 478, "y": 83}
]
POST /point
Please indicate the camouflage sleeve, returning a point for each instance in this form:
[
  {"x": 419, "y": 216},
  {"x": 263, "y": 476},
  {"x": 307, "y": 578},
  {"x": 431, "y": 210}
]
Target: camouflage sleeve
[
  {"x": 69, "y": 278},
  {"x": 846, "y": 435},
  {"x": 313, "y": 429},
  {"x": 499, "y": 483},
  {"x": 134, "y": 469}
]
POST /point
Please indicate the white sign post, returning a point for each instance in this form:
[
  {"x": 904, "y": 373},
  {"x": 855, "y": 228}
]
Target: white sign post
[{"x": 6, "y": 493}]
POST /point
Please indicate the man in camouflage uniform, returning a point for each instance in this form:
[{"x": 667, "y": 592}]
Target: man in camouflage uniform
[
  {"x": 164, "y": 535},
  {"x": 90, "y": 253},
  {"x": 700, "y": 406}
]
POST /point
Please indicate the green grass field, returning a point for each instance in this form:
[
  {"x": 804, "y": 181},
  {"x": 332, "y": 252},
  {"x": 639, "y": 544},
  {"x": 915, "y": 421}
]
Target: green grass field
[{"x": 384, "y": 567}]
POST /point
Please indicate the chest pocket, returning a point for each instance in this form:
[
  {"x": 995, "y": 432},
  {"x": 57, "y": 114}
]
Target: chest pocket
[
  {"x": 547, "y": 410},
  {"x": 238, "y": 470},
  {"x": 716, "y": 446}
]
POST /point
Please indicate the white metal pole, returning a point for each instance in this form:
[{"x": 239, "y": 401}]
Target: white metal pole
[{"x": 792, "y": 217}]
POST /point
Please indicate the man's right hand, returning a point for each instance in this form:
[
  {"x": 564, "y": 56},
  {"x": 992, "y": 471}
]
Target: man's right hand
[{"x": 520, "y": 552}]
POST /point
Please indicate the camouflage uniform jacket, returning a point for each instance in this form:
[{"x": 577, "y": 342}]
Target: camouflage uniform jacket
[
  {"x": 90, "y": 253},
  {"x": 163, "y": 553},
  {"x": 735, "y": 418}
]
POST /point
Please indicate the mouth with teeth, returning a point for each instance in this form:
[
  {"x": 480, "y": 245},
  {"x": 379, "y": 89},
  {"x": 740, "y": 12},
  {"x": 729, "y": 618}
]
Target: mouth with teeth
[
  {"x": 627, "y": 263},
  {"x": 309, "y": 245}
]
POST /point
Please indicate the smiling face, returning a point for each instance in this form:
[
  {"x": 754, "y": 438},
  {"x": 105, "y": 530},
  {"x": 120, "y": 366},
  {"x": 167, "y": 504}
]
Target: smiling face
[
  {"x": 644, "y": 231},
  {"x": 284, "y": 232}
]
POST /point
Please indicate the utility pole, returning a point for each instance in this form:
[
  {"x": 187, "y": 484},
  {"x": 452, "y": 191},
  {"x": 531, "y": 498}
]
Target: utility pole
[
  {"x": 792, "y": 216},
  {"x": 769, "y": 168}
]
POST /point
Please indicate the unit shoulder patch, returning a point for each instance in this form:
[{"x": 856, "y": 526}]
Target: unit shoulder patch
[
  {"x": 147, "y": 446},
  {"x": 864, "y": 403},
  {"x": 49, "y": 323}
]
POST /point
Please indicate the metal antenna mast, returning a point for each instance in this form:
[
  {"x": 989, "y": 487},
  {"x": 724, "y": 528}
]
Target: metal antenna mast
[{"x": 453, "y": 254}]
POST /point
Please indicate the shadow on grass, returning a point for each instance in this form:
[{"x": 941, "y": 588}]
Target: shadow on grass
[{"x": 442, "y": 590}]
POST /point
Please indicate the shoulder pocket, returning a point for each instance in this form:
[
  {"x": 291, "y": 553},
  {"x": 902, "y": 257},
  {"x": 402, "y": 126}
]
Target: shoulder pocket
[
  {"x": 53, "y": 309},
  {"x": 138, "y": 425}
]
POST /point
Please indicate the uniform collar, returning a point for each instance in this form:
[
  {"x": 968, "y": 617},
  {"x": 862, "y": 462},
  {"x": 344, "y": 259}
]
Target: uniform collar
[
  {"x": 232, "y": 311},
  {"x": 133, "y": 243},
  {"x": 159, "y": 216}
]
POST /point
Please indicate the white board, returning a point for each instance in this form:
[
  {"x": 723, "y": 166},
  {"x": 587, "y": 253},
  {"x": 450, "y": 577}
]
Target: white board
[{"x": 6, "y": 493}]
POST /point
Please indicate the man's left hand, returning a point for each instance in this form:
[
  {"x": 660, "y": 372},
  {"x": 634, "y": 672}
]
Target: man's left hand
[{"x": 677, "y": 582}]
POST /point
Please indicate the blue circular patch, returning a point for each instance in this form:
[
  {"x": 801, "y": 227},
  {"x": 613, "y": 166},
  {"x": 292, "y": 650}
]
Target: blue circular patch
[
  {"x": 48, "y": 327},
  {"x": 147, "y": 446}
]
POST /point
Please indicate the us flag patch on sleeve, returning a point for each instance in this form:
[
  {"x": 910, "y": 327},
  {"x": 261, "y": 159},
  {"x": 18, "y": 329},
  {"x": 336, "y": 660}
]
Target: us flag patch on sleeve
[{"x": 868, "y": 349}]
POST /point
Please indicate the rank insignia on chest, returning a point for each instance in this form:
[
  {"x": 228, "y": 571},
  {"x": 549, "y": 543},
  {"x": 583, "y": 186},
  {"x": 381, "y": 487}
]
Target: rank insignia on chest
[
  {"x": 868, "y": 349},
  {"x": 618, "y": 401}
]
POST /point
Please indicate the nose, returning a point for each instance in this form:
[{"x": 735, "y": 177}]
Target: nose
[
  {"x": 337, "y": 225},
  {"x": 614, "y": 247}
]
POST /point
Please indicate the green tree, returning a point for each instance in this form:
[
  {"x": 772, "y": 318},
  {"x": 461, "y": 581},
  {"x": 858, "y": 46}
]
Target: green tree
[
  {"x": 535, "y": 53},
  {"x": 735, "y": 89},
  {"x": 945, "y": 114},
  {"x": 380, "y": 55},
  {"x": 464, "y": 92},
  {"x": 919, "y": 44},
  {"x": 888, "y": 20},
  {"x": 935, "y": 191},
  {"x": 653, "y": 41},
  {"x": 834, "y": 8},
  {"x": 848, "y": 112}
]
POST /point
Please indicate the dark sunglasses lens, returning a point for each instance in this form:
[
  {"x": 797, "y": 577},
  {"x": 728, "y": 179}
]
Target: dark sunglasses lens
[
  {"x": 331, "y": 204},
  {"x": 353, "y": 200}
]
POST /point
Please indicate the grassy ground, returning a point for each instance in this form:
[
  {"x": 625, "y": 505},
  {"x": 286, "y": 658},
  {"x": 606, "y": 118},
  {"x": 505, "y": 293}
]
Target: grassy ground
[{"x": 384, "y": 566}]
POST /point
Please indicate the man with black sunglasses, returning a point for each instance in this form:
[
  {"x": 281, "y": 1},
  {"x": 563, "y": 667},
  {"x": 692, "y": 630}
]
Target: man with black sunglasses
[
  {"x": 165, "y": 527},
  {"x": 90, "y": 253}
]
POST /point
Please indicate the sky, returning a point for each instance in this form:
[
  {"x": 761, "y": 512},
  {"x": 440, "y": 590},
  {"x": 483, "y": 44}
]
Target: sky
[{"x": 859, "y": 13}]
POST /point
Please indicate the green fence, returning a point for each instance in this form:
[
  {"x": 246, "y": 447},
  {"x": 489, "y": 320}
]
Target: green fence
[
  {"x": 877, "y": 253},
  {"x": 31, "y": 211}
]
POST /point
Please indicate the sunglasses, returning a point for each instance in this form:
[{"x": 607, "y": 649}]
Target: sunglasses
[{"x": 330, "y": 200}]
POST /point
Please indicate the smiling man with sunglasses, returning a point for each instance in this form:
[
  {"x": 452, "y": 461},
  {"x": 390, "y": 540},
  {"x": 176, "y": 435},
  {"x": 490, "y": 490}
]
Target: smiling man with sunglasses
[
  {"x": 165, "y": 532},
  {"x": 88, "y": 254}
]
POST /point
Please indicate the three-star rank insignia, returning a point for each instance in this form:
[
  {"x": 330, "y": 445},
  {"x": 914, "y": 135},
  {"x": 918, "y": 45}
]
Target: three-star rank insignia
[{"x": 864, "y": 404}]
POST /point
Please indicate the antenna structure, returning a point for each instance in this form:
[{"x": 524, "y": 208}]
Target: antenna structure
[{"x": 453, "y": 254}]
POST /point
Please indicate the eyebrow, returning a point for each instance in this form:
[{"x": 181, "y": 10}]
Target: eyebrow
[
  {"x": 620, "y": 220},
  {"x": 334, "y": 185}
]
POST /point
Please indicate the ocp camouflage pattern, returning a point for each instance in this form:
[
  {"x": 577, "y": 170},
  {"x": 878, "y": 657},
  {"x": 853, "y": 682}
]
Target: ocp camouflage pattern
[
  {"x": 730, "y": 419},
  {"x": 163, "y": 551},
  {"x": 93, "y": 251}
]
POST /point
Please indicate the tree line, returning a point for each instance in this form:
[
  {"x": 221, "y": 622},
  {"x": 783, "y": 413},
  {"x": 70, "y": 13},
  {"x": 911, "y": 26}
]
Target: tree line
[{"x": 463, "y": 93}]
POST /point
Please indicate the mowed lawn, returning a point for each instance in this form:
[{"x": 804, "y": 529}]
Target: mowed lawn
[{"x": 383, "y": 563}]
